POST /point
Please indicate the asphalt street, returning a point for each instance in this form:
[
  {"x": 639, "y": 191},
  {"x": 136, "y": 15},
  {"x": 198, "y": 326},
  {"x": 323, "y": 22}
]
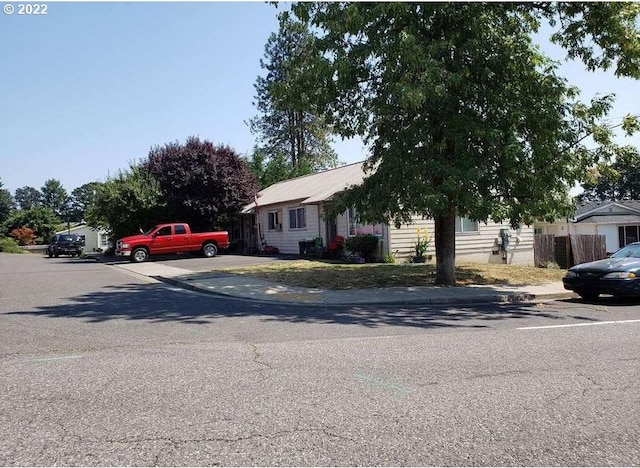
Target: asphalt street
[{"x": 101, "y": 367}]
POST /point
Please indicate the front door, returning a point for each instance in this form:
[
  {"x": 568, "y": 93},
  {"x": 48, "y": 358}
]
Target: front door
[
  {"x": 332, "y": 229},
  {"x": 162, "y": 241}
]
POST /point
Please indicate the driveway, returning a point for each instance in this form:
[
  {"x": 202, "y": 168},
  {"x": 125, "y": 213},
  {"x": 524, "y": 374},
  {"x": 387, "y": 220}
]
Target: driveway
[{"x": 199, "y": 264}]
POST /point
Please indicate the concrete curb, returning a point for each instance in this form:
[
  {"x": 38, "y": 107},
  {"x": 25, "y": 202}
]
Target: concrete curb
[{"x": 498, "y": 298}]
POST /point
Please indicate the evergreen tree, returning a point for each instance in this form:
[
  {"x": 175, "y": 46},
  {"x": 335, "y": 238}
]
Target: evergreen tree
[
  {"x": 54, "y": 196},
  {"x": 81, "y": 198},
  {"x": 7, "y": 204},
  {"x": 28, "y": 197},
  {"x": 288, "y": 125}
]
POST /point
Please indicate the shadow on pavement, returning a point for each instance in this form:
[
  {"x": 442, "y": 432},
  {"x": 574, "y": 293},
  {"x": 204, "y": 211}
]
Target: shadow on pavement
[
  {"x": 605, "y": 301},
  {"x": 158, "y": 304}
]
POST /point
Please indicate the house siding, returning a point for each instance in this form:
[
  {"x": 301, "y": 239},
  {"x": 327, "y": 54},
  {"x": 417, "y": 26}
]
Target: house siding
[
  {"x": 474, "y": 247},
  {"x": 91, "y": 237},
  {"x": 287, "y": 240}
]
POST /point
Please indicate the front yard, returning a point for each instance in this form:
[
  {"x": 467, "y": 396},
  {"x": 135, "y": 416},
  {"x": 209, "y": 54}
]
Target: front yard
[{"x": 333, "y": 275}]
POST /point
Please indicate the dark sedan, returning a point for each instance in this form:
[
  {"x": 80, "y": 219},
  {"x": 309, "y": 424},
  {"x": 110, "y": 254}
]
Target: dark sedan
[{"x": 618, "y": 275}]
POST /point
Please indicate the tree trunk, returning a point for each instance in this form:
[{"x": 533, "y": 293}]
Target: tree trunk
[
  {"x": 292, "y": 138},
  {"x": 445, "y": 227},
  {"x": 302, "y": 153}
]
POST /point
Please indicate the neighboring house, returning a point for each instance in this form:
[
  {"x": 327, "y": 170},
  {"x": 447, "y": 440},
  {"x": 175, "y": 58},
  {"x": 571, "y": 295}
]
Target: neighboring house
[
  {"x": 293, "y": 211},
  {"x": 95, "y": 240},
  {"x": 618, "y": 221}
]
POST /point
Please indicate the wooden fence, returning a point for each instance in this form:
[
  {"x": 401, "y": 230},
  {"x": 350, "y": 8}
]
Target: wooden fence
[
  {"x": 567, "y": 251},
  {"x": 587, "y": 248},
  {"x": 543, "y": 249}
]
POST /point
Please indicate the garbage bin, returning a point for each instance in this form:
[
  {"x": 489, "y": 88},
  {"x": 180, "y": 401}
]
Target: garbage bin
[{"x": 306, "y": 246}]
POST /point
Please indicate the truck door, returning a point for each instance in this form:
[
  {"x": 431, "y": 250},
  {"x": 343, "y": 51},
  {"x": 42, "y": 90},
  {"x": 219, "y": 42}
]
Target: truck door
[
  {"x": 162, "y": 241},
  {"x": 182, "y": 238}
]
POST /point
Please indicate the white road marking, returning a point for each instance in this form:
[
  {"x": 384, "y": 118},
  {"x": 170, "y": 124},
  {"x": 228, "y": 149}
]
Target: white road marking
[{"x": 579, "y": 324}]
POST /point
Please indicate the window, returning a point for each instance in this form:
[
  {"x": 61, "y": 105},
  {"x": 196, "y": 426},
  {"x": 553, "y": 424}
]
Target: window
[
  {"x": 466, "y": 225},
  {"x": 180, "y": 229},
  {"x": 297, "y": 219},
  {"x": 165, "y": 231},
  {"x": 273, "y": 221},
  {"x": 628, "y": 234},
  {"x": 358, "y": 229},
  {"x": 104, "y": 240}
]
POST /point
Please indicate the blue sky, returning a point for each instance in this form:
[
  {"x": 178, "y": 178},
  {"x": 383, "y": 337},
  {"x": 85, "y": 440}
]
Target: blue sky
[{"x": 91, "y": 86}]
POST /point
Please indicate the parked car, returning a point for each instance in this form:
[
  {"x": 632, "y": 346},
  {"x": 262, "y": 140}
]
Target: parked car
[
  {"x": 171, "y": 238},
  {"x": 65, "y": 244},
  {"x": 618, "y": 275}
]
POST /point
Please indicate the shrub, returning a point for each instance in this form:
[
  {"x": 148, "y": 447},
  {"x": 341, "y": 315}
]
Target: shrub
[
  {"x": 390, "y": 257},
  {"x": 24, "y": 235},
  {"x": 362, "y": 245},
  {"x": 8, "y": 245}
]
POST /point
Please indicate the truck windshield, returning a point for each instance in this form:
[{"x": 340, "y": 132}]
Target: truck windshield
[{"x": 148, "y": 233}]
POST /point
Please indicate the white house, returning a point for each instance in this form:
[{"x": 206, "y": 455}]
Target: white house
[
  {"x": 618, "y": 221},
  {"x": 293, "y": 211},
  {"x": 95, "y": 240}
]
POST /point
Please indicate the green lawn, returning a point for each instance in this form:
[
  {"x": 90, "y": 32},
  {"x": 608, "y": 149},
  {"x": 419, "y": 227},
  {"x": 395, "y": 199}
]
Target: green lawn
[{"x": 333, "y": 275}]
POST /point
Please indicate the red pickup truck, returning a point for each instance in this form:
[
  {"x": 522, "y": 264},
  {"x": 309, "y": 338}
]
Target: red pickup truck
[{"x": 171, "y": 238}]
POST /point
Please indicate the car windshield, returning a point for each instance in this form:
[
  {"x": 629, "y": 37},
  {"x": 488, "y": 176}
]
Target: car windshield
[{"x": 632, "y": 251}]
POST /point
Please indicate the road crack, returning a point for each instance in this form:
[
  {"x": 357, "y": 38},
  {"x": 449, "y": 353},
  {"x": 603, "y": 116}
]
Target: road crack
[{"x": 257, "y": 357}]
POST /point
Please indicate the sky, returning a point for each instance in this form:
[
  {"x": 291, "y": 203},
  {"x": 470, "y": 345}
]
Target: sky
[{"x": 90, "y": 87}]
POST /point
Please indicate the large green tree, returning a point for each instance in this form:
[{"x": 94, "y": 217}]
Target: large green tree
[
  {"x": 615, "y": 180},
  {"x": 55, "y": 196},
  {"x": 288, "y": 125},
  {"x": 126, "y": 203},
  {"x": 81, "y": 198},
  {"x": 6, "y": 202},
  {"x": 463, "y": 114},
  {"x": 269, "y": 170},
  {"x": 27, "y": 197}
]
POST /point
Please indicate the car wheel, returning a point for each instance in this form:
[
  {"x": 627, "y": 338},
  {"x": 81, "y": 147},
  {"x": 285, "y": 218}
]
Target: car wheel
[
  {"x": 588, "y": 295},
  {"x": 139, "y": 255},
  {"x": 209, "y": 250}
]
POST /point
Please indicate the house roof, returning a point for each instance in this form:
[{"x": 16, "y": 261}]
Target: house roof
[
  {"x": 585, "y": 210},
  {"x": 611, "y": 219},
  {"x": 312, "y": 188},
  {"x": 77, "y": 227}
]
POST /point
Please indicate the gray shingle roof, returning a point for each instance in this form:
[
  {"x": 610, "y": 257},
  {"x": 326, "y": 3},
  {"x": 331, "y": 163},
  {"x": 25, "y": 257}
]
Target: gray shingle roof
[
  {"x": 313, "y": 188},
  {"x": 609, "y": 219},
  {"x": 588, "y": 207}
]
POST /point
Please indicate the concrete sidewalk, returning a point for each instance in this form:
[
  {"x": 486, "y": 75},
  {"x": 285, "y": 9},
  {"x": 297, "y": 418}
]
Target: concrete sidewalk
[{"x": 265, "y": 291}]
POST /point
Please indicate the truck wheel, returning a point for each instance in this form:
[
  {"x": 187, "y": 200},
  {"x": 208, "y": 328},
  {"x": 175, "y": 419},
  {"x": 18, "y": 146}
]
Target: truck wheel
[
  {"x": 209, "y": 250},
  {"x": 139, "y": 255}
]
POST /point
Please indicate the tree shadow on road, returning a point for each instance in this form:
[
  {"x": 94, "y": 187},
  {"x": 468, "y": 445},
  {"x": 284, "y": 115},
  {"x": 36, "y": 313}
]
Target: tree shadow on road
[{"x": 159, "y": 304}]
